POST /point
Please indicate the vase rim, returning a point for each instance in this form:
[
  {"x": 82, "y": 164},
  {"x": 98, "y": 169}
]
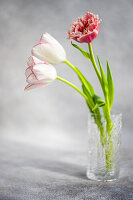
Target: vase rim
[{"x": 111, "y": 114}]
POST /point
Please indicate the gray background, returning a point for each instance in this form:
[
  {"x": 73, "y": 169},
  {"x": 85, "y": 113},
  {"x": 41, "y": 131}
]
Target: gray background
[{"x": 54, "y": 118}]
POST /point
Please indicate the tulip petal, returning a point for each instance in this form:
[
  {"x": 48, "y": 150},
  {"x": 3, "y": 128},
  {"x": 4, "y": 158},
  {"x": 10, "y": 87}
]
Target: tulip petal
[
  {"x": 49, "y": 52},
  {"x": 45, "y": 72},
  {"x": 34, "y": 85},
  {"x": 32, "y": 60},
  {"x": 30, "y": 75},
  {"x": 47, "y": 38},
  {"x": 88, "y": 38},
  {"x": 39, "y": 75}
]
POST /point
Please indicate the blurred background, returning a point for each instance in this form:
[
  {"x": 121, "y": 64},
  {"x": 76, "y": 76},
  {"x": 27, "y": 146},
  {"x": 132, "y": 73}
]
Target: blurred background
[{"x": 56, "y": 116}]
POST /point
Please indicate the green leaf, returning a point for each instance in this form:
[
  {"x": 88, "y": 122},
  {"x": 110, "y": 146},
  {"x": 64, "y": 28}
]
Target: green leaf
[
  {"x": 85, "y": 53},
  {"x": 104, "y": 79},
  {"x": 90, "y": 99},
  {"x": 99, "y": 102},
  {"x": 95, "y": 107},
  {"x": 85, "y": 82},
  {"x": 110, "y": 85},
  {"x": 87, "y": 88},
  {"x": 98, "y": 99}
]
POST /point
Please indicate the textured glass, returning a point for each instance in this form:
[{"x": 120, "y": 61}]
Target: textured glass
[{"x": 99, "y": 155}]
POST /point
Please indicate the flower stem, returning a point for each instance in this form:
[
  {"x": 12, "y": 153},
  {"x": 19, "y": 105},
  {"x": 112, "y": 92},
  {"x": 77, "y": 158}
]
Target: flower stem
[
  {"x": 94, "y": 63},
  {"x": 70, "y": 65},
  {"x": 106, "y": 111},
  {"x": 73, "y": 86}
]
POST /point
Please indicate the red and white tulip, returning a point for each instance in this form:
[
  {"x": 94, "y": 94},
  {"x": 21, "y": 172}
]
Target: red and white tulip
[{"x": 85, "y": 30}]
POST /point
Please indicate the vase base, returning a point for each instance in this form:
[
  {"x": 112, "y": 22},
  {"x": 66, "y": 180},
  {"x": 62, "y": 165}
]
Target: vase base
[{"x": 100, "y": 177}]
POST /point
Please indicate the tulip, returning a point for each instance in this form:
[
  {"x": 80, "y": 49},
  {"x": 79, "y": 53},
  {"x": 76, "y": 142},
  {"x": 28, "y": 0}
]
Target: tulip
[
  {"x": 49, "y": 50},
  {"x": 85, "y": 30},
  {"x": 32, "y": 60},
  {"x": 39, "y": 75}
]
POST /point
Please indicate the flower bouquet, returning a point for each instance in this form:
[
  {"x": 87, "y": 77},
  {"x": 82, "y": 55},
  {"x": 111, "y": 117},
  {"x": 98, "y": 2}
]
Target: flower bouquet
[{"x": 104, "y": 128}]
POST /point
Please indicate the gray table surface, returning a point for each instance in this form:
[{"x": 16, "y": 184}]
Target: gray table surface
[{"x": 29, "y": 172}]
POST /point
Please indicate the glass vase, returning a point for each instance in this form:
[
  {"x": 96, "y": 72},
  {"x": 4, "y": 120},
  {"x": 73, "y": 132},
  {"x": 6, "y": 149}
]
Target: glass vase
[{"x": 104, "y": 148}]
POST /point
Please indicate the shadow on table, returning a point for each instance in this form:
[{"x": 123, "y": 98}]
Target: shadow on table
[{"x": 60, "y": 167}]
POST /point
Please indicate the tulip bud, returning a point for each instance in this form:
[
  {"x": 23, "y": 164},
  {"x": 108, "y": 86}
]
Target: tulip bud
[
  {"x": 39, "y": 75},
  {"x": 49, "y": 50}
]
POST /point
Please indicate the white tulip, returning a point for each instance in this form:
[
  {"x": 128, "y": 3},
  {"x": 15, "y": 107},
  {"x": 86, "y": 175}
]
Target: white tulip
[
  {"x": 39, "y": 75},
  {"x": 49, "y": 50}
]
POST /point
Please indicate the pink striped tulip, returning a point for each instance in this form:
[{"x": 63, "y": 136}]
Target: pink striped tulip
[{"x": 39, "y": 75}]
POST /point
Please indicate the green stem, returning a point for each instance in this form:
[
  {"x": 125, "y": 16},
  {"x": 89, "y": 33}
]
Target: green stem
[
  {"x": 70, "y": 65},
  {"x": 73, "y": 86},
  {"x": 94, "y": 64},
  {"x": 106, "y": 109}
]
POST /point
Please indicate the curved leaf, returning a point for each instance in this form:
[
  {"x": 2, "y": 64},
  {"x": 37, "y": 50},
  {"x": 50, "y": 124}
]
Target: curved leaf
[
  {"x": 110, "y": 85},
  {"x": 104, "y": 79},
  {"x": 98, "y": 99},
  {"x": 90, "y": 99},
  {"x": 85, "y": 82},
  {"x": 99, "y": 102},
  {"x": 85, "y": 53}
]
